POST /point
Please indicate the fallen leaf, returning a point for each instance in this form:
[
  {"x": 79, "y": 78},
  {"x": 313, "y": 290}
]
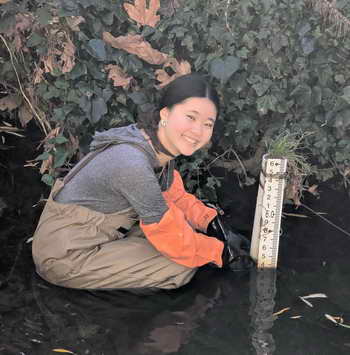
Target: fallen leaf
[
  {"x": 118, "y": 76},
  {"x": 180, "y": 68},
  {"x": 313, "y": 190},
  {"x": 281, "y": 311},
  {"x": 296, "y": 317},
  {"x": 38, "y": 75},
  {"x": 143, "y": 15},
  {"x": 61, "y": 53},
  {"x": 46, "y": 164},
  {"x": 10, "y": 102},
  {"x": 68, "y": 58},
  {"x": 23, "y": 22},
  {"x": 29, "y": 240},
  {"x": 295, "y": 215},
  {"x": 315, "y": 295},
  {"x": 25, "y": 115},
  {"x": 4, "y": 1},
  {"x": 74, "y": 142},
  {"x": 335, "y": 320},
  {"x": 74, "y": 22},
  {"x": 62, "y": 351},
  {"x": 347, "y": 171},
  {"x": 135, "y": 44},
  {"x": 307, "y": 302}
]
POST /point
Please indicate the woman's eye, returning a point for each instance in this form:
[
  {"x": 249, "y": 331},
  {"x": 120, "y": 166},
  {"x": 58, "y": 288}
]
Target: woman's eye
[
  {"x": 209, "y": 124},
  {"x": 190, "y": 117}
]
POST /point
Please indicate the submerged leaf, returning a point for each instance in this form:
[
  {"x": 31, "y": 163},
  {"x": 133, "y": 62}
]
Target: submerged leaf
[
  {"x": 315, "y": 295},
  {"x": 281, "y": 311},
  {"x": 62, "y": 351},
  {"x": 305, "y": 301},
  {"x": 337, "y": 320}
]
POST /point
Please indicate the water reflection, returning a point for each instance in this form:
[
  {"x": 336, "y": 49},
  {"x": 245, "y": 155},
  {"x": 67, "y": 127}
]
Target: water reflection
[
  {"x": 116, "y": 322},
  {"x": 262, "y": 300}
]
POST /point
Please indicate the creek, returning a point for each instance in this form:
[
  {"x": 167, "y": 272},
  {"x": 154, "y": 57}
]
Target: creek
[{"x": 216, "y": 313}]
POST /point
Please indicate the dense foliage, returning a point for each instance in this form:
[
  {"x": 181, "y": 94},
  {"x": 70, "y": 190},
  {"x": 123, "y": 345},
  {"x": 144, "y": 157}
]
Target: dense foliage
[{"x": 278, "y": 65}]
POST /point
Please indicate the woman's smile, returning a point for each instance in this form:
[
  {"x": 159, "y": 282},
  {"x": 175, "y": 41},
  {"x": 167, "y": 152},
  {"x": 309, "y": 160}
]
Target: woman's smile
[{"x": 188, "y": 125}]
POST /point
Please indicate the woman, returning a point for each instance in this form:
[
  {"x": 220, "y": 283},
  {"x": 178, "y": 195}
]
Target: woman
[{"x": 88, "y": 236}]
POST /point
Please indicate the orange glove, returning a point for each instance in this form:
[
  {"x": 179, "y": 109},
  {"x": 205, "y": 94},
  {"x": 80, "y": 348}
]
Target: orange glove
[
  {"x": 195, "y": 211},
  {"x": 173, "y": 237}
]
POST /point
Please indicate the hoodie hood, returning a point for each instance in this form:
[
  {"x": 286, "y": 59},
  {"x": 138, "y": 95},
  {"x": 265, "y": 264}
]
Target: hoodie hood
[{"x": 128, "y": 134}]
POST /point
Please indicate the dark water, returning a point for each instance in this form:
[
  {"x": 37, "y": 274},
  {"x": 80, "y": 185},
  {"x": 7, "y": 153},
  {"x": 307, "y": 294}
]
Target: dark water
[{"x": 218, "y": 313}]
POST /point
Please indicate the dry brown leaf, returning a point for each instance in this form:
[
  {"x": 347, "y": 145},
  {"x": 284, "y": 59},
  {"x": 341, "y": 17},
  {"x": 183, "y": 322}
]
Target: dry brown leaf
[
  {"x": 61, "y": 54},
  {"x": 46, "y": 164},
  {"x": 49, "y": 62},
  {"x": 4, "y": 1},
  {"x": 313, "y": 190},
  {"x": 135, "y": 44},
  {"x": 25, "y": 115},
  {"x": 118, "y": 76},
  {"x": 180, "y": 69},
  {"x": 281, "y": 311},
  {"x": 10, "y": 102},
  {"x": 38, "y": 75},
  {"x": 74, "y": 22},
  {"x": 68, "y": 58},
  {"x": 74, "y": 142},
  {"x": 23, "y": 22},
  {"x": 143, "y": 15}
]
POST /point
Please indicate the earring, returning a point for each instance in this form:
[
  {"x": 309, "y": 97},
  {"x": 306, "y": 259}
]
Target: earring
[{"x": 163, "y": 123}]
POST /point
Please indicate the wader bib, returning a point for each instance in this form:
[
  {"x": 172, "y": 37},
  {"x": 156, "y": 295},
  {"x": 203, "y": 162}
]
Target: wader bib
[{"x": 76, "y": 247}]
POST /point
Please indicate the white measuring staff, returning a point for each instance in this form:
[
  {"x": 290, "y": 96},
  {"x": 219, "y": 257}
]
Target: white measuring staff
[{"x": 268, "y": 212}]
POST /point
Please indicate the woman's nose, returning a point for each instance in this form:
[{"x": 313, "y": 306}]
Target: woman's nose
[{"x": 197, "y": 128}]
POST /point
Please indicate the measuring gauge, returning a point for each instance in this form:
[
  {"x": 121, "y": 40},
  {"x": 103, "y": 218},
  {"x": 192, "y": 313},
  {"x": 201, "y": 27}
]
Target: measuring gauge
[{"x": 268, "y": 213}]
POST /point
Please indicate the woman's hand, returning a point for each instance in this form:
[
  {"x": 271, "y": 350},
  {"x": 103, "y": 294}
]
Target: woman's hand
[{"x": 235, "y": 255}]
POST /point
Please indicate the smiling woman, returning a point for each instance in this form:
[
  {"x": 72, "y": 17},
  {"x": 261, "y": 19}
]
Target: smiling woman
[{"x": 121, "y": 218}]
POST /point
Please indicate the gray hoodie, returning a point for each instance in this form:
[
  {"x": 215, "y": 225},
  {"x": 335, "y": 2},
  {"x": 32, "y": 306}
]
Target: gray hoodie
[{"x": 121, "y": 176}]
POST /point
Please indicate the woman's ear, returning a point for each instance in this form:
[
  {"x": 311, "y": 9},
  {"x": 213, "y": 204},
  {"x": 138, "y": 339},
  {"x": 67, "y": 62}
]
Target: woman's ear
[{"x": 164, "y": 113}]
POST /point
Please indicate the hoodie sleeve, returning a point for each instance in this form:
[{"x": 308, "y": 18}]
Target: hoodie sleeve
[{"x": 195, "y": 211}]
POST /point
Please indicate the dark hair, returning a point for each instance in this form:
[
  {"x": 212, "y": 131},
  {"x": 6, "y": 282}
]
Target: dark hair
[{"x": 180, "y": 89}]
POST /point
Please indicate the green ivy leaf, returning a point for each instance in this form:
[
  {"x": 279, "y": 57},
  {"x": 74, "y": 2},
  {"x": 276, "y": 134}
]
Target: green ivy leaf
[
  {"x": 48, "y": 179},
  {"x": 97, "y": 48},
  {"x": 62, "y": 84},
  {"x": 138, "y": 98},
  {"x": 44, "y": 16},
  {"x": 222, "y": 69},
  {"x": 79, "y": 70},
  {"x": 43, "y": 156},
  {"x": 346, "y": 94},
  {"x": 99, "y": 109},
  {"x": 262, "y": 86},
  {"x": 61, "y": 140},
  {"x": 35, "y": 40},
  {"x": 265, "y": 103},
  {"x": 60, "y": 158}
]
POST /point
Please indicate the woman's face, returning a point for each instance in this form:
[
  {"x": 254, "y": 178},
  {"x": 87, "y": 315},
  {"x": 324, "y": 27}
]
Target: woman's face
[{"x": 189, "y": 125}]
